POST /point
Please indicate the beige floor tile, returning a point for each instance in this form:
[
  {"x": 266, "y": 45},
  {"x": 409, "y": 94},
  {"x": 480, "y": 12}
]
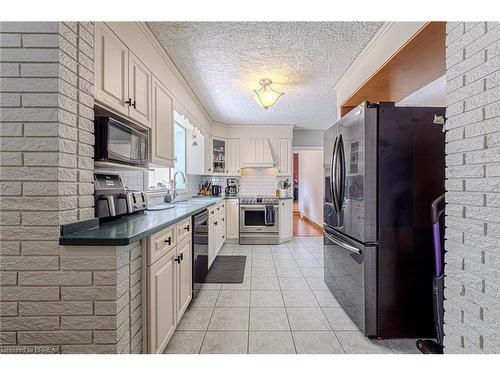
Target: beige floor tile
[
  {"x": 234, "y": 298},
  {"x": 229, "y": 319},
  {"x": 316, "y": 342},
  {"x": 185, "y": 342},
  {"x": 268, "y": 319},
  {"x": 225, "y": 342},
  {"x": 261, "y": 342},
  {"x": 354, "y": 342},
  {"x": 299, "y": 298},
  {"x": 307, "y": 319},
  {"x": 264, "y": 283},
  {"x": 338, "y": 319},
  {"x": 266, "y": 298},
  {"x": 195, "y": 319}
]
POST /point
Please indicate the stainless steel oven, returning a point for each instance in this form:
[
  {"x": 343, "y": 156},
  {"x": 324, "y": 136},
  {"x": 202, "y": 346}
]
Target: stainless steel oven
[{"x": 257, "y": 224}]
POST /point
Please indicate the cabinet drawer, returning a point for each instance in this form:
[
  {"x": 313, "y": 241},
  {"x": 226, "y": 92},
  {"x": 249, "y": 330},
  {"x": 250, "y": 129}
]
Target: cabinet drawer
[
  {"x": 161, "y": 243},
  {"x": 216, "y": 208},
  {"x": 183, "y": 229}
]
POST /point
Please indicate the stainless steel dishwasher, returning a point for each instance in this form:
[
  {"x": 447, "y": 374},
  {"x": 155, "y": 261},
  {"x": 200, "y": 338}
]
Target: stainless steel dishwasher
[{"x": 200, "y": 250}]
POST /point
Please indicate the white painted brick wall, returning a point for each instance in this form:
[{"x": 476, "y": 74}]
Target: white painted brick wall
[
  {"x": 67, "y": 300},
  {"x": 472, "y": 306}
]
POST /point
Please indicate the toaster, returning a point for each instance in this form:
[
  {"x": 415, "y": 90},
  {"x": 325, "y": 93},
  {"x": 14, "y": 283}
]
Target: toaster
[{"x": 136, "y": 201}]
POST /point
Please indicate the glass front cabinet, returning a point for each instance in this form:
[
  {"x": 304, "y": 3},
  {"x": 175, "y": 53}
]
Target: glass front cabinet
[{"x": 219, "y": 153}]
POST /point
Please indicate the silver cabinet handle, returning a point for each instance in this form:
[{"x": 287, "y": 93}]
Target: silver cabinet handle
[{"x": 343, "y": 244}]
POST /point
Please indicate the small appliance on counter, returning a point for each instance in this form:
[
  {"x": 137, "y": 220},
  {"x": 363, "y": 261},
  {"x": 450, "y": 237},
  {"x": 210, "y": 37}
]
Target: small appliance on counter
[
  {"x": 136, "y": 201},
  {"x": 216, "y": 190},
  {"x": 112, "y": 198},
  {"x": 232, "y": 187},
  {"x": 119, "y": 143}
]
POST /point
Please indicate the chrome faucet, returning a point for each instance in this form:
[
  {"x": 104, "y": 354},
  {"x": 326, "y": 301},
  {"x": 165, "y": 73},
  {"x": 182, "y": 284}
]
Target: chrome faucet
[{"x": 174, "y": 183}]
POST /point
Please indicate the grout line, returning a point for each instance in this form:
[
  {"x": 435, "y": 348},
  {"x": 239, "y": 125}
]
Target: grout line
[
  {"x": 209, "y": 320},
  {"x": 321, "y": 307},
  {"x": 284, "y": 306},
  {"x": 249, "y": 304}
]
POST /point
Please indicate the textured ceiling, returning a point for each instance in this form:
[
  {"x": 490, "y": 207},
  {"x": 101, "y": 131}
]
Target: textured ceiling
[{"x": 224, "y": 61}]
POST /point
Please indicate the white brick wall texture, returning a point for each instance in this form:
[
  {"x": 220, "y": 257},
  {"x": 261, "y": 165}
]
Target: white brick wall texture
[
  {"x": 472, "y": 286},
  {"x": 53, "y": 298}
]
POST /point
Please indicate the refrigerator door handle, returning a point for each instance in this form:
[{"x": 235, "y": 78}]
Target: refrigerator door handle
[
  {"x": 333, "y": 176},
  {"x": 343, "y": 244},
  {"x": 342, "y": 174}
]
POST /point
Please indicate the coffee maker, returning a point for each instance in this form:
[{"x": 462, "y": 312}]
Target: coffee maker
[{"x": 232, "y": 187}]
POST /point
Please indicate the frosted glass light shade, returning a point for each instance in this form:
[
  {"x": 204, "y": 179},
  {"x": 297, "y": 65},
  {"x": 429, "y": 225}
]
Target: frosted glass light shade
[{"x": 266, "y": 96}]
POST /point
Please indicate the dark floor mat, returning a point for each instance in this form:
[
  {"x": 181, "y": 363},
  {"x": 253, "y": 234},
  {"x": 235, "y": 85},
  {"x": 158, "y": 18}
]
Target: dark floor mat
[{"x": 228, "y": 269}]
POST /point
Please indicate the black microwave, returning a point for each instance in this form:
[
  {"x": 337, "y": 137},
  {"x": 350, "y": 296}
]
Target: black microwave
[{"x": 118, "y": 143}]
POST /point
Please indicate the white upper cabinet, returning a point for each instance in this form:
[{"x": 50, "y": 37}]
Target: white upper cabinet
[
  {"x": 219, "y": 156},
  {"x": 162, "y": 131},
  {"x": 111, "y": 69},
  {"x": 208, "y": 155},
  {"x": 139, "y": 88},
  {"x": 233, "y": 157},
  {"x": 282, "y": 155},
  {"x": 122, "y": 81},
  {"x": 195, "y": 154}
]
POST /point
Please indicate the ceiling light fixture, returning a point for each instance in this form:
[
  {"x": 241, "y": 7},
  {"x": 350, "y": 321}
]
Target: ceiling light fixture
[{"x": 266, "y": 96}]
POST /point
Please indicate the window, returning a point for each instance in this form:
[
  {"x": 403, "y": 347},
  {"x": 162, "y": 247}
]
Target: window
[
  {"x": 161, "y": 178},
  {"x": 180, "y": 155}
]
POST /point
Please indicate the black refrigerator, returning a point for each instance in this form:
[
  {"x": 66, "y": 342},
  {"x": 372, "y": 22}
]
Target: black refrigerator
[{"x": 384, "y": 165}]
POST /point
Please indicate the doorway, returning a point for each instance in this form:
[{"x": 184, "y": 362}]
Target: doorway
[{"x": 307, "y": 193}]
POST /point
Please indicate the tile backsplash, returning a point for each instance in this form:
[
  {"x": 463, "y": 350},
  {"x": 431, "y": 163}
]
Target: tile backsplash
[
  {"x": 253, "y": 181},
  {"x": 133, "y": 180},
  {"x": 258, "y": 181}
]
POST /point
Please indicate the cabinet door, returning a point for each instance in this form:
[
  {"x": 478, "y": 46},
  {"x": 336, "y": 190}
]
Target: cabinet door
[
  {"x": 232, "y": 219},
  {"x": 285, "y": 157},
  {"x": 139, "y": 88},
  {"x": 222, "y": 229},
  {"x": 184, "y": 277},
  {"x": 282, "y": 156},
  {"x": 162, "y": 131},
  {"x": 233, "y": 157},
  {"x": 208, "y": 155},
  {"x": 286, "y": 219},
  {"x": 161, "y": 302},
  {"x": 111, "y": 69},
  {"x": 211, "y": 243},
  {"x": 219, "y": 153}
]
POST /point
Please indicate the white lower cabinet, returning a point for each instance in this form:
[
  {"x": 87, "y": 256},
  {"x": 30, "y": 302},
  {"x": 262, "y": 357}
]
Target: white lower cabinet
[
  {"x": 162, "y": 285},
  {"x": 286, "y": 219},
  {"x": 232, "y": 219},
  {"x": 216, "y": 230},
  {"x": 184, "y": 276},
  {"x": 169, "y": 286}
]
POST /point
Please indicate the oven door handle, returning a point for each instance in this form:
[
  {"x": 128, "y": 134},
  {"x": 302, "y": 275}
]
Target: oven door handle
[
  {"x": 258, "y": 207},
  {"x": 343, "y": 244}
]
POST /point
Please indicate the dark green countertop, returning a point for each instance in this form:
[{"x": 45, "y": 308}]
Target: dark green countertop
[{"x": 131, "y": 228}]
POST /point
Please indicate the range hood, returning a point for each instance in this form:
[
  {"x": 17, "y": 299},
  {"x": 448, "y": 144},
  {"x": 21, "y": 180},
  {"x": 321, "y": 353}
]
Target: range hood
[{"x": 259, "y": 154}]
